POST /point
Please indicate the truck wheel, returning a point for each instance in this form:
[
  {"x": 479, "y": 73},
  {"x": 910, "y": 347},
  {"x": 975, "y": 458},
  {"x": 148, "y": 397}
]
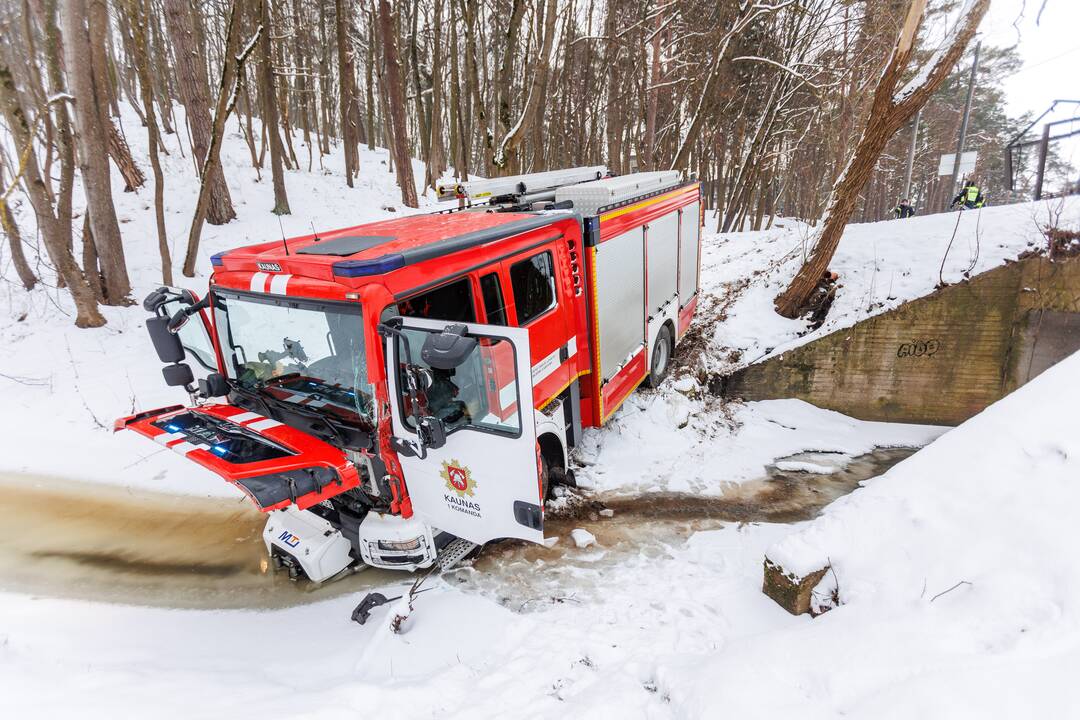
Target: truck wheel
[{"x": 661, "y": 358}]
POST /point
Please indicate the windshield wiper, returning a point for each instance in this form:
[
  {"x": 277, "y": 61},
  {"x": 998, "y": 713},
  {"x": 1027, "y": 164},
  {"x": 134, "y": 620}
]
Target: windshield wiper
[{"x": 286, "y": 406}]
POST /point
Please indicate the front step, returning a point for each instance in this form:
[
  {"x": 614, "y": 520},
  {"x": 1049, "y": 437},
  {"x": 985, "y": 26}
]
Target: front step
[{"x": 454, "y": 552}]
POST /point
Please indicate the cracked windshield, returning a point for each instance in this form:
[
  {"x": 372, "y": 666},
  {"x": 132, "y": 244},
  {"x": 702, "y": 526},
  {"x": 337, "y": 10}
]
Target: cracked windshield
[{"x": 308, "y": 354}]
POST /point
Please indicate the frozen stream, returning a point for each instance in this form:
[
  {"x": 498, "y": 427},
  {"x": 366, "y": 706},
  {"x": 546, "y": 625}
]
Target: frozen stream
[{"x": 99, "y": 542}]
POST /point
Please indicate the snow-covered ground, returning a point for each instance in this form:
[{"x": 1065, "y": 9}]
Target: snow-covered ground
[
  {"x": 668, "y": 622},
  {"x": 956, "y": 571}
]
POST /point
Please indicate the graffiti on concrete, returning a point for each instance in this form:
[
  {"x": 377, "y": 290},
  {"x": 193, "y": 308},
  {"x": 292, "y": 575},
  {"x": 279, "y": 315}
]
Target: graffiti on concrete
[{"x": 918, "y": 348}]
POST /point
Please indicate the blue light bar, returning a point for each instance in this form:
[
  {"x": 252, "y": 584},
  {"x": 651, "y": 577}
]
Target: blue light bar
[
  {"x": 219, "y": 449},
  {"x": 218, "y": 259},
  {"x": 363, "y": 268},
  {"x": 172, "y": 428}
]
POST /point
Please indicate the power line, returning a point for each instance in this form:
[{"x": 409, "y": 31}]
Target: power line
[{"x": 1027, "y": 67}]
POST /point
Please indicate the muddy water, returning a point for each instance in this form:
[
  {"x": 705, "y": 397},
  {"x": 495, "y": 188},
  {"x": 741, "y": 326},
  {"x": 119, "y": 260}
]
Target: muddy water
[
  {"x": 70, "y": 539},
  {"x": 649, "y": 528}
]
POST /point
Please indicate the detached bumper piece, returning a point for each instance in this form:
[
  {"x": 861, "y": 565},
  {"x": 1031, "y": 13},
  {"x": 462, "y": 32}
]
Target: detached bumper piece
[{"x": 273, "y": 464}]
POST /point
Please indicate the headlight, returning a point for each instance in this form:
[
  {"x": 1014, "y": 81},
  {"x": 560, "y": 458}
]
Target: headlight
[{"x": 400, "y": 545}]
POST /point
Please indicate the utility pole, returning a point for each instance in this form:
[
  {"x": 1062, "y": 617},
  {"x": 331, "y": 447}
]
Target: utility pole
[
  {"x": 1044, "y": 148},
  {"x": 911, "y": 154},
  {"x": 964, "y": 121}
]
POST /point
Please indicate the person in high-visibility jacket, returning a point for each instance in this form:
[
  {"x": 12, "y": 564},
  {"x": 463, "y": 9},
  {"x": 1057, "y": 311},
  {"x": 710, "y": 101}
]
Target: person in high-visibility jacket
[{"x": 970, "y": 196}]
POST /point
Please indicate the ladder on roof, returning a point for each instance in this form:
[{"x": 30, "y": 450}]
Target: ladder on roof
[{"x": 519, "y": 188}]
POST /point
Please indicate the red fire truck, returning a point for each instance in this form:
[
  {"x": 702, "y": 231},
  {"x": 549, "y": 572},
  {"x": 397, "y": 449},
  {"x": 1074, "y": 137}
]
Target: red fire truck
[{"x": 396, "y": 393}]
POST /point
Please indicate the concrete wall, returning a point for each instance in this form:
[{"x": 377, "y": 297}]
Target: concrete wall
[{"x": 938, "y": 359}]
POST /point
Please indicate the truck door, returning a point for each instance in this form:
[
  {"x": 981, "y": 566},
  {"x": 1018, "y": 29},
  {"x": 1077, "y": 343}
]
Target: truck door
[{"x": 483, "y": 483}]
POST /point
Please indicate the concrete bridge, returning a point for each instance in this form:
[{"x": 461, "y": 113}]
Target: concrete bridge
[{"x": 939, "y": 359}]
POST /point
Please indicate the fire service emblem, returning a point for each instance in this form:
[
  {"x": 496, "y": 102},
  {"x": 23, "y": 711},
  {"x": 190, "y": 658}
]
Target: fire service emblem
[{"x": 458, "y": 478}]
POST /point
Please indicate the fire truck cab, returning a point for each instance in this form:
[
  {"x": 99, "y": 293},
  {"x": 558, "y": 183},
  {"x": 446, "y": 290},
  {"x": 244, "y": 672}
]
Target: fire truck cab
[{"x": 397, "y": 393}]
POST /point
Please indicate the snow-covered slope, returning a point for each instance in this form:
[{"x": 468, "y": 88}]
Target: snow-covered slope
[
  {"x": 958, "y": 575},
  {"x": 881, "y": 265},
  {"x": 957, "y": 571},
  {"x": 64, "y": 386}
]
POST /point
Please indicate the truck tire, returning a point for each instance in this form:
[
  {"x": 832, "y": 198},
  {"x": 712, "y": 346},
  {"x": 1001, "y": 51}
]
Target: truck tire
[{"x": 660, "y": 364}]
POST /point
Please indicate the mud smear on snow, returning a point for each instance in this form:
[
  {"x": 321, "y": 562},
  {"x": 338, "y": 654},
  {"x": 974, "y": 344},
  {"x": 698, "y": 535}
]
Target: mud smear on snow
[
  {"x": 97, "y": 542},
  {"x": 650, "y": 528},
  {"x": 780, "y": 497}
]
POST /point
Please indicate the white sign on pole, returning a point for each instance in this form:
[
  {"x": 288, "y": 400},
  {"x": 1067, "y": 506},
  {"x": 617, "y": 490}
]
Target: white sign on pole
[{"x": 967, "y": 163}]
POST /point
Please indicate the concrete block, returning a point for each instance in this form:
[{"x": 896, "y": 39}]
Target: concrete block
[{"x": 789, "y": 591}]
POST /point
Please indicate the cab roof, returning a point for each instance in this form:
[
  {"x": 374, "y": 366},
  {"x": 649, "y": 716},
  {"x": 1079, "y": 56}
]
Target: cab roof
[
  {"x": 393, "y": 243},
  {"x": 398, "y": 255}
]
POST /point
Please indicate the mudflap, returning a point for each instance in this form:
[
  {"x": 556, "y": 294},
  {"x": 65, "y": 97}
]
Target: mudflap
[{"x": 275, "y": 465}]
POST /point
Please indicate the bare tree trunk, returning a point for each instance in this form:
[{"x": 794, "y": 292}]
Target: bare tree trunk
[
  {"x": 92, "y": 143},
  {"x": 15, "y": 241},
  {"x": 423, "y": 108},
  {"x": 435, "y": 157},
  {"x": 369, "y": 74},
  {"x": 506, "y": 68},
  {"x": 65, "y": 135},
  {"x": 506, "y": 155},
  {"x": 459, "y": 137},
  {"x": 324, "y": 85},
  {"x": 138, "y": 14},
  {"x": 890, "y": 111},
  {"x": 301, "y": 41},
  {"x": 87, "y": 313},
  {"x": 121, "y": 155},
  {"x": 396, "y": 98},
  {"x": 472, "y": 82},
  {"x": 160, "y": 54},
  {"x": 281, "y": 94},
  {"x": 194, "y": 87},
  {"x": 231, "y": 72},
  {"x": 648, "y": 159},
  {"x": 270, "y": 110},
  {"x": 347, "y": 85},
  {"x": 98, "y": 26}
]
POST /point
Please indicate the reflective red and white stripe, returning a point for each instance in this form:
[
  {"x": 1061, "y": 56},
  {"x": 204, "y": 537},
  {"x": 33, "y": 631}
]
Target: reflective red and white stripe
[
  {"x": 254, "y": 421},
  {"x": 273, "y": 283}
]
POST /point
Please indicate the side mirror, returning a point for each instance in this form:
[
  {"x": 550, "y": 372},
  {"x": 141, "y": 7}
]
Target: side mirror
[
  {"x": 432, "y": 432},
  {"x": 155, "y": 299},
  {"x": 449, "y": 349},
  {"x": 213, "y": 385},
  {"x": 166, "y": 343},
  {"x": 178, "y": 375},
  {"x": 160, "y": 296}
]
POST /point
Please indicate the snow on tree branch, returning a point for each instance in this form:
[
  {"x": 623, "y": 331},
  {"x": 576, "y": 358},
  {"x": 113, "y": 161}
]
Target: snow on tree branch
[{"x": 937, "y": 58}]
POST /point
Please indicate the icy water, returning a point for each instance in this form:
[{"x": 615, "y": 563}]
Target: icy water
[{"x": 83, "y": 540}]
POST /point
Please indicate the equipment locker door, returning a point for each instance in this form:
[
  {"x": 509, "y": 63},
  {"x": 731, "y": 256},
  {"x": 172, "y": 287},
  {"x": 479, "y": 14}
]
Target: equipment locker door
[{"x": 483, "y": 483}]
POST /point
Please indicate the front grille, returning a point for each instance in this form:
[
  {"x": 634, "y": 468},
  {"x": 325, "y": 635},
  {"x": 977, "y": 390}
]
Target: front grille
[{"x": 400, "y": 559}]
